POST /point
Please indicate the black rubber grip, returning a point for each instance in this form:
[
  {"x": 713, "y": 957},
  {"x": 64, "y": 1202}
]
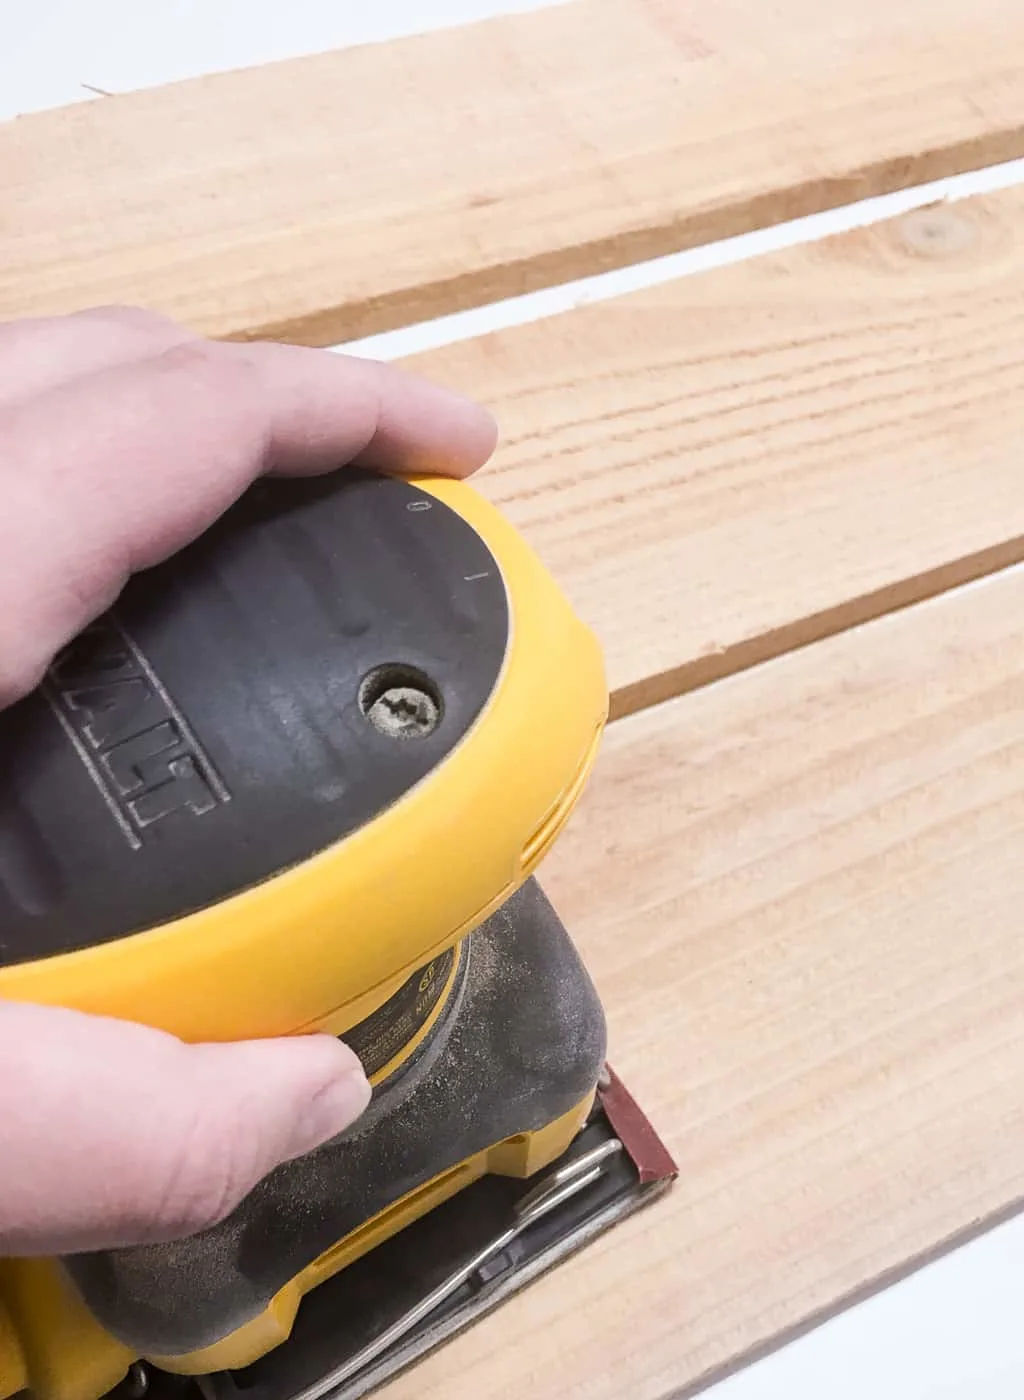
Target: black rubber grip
[{"x": 266, "y": 692}]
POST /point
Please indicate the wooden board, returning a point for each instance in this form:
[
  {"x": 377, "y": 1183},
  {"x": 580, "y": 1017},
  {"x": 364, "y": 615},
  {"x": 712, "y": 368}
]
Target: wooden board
[
  {"x": 737, "y": 463},
  {"x": 799, "y": 891},
  {"x": 329, "y": 197}
]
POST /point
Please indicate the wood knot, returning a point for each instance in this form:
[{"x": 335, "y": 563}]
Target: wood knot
[{"x": 937, "y": 232}]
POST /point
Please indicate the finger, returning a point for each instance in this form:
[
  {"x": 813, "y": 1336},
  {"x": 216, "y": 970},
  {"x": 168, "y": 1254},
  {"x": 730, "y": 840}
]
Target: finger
[
  {"x": 397, "y": 421},
  {"x": 43, "y": 352},
  {"x": 166, "y": 1138},
  {"x": 110, "y": 474}
]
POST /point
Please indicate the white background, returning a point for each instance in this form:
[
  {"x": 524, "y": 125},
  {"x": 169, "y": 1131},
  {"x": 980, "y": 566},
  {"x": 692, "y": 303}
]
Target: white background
[{"x": 953, "y": 1331}]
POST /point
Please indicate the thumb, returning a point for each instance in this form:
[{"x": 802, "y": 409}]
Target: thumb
[{"x": 116, "y": 1134}]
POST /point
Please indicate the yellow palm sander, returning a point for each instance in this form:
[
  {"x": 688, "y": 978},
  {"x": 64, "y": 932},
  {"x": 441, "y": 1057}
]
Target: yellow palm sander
[{"x": 300, "y": 779}]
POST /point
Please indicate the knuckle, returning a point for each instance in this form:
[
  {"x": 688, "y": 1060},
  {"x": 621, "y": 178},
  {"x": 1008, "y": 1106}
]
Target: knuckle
[
  {"x": 203, "y": 1180},
  {"x": 205, "y": 360},
  {"x": 202, "y": 368},
  {"x": 217, "y": 385}
]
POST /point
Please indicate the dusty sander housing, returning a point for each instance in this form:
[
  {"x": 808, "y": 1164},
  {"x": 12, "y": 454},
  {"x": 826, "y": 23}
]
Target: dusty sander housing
[{"x": 299, "y": 780}]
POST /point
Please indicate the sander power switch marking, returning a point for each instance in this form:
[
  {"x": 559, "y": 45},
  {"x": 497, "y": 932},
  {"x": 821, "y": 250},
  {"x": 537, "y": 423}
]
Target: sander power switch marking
[{"x": 299, "y": 779}]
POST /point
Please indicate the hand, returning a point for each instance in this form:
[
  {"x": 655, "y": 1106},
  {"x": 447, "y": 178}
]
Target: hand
[{"x": 123, "y": 437}]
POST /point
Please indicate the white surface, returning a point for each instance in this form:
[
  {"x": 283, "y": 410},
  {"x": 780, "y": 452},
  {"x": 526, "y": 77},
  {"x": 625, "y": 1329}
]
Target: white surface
[
  {"x": 950, "y": 1332},
  {"x": 953, "y": 1331},
  {"x": 51, "y": 49}
]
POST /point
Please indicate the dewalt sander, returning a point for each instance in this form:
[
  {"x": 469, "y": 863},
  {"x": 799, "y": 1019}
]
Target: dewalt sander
[{"x": 298, "y": 780}]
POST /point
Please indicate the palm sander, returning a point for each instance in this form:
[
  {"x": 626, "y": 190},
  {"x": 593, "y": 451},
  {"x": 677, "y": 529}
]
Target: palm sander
[{"x": 299, "y": 780}]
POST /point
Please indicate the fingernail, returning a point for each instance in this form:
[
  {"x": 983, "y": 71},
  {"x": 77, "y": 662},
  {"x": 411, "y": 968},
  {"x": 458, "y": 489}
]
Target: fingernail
[{"x": 335, "y": 1108}]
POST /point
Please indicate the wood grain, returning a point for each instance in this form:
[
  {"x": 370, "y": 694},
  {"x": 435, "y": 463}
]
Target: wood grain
[
  {"x": 737, "y": 463},
  {"x": 329, "y": 197},
  {"x": 799, "y": 891}
]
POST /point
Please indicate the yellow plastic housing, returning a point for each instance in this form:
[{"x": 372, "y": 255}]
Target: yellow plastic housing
[{"x": 273, "y": 959}]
